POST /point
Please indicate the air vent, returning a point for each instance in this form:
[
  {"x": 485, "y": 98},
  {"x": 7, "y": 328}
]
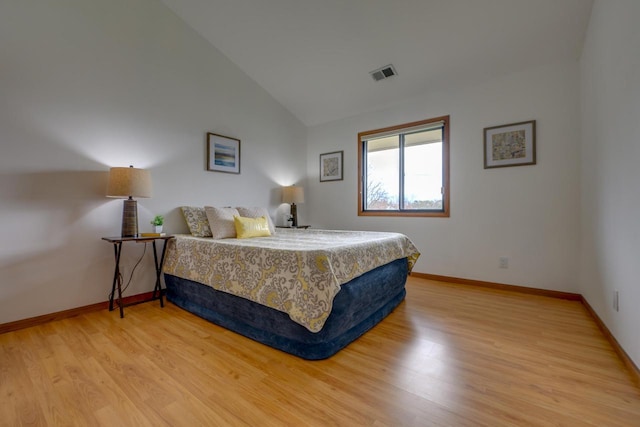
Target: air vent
[{"x": 383, "y": 73}]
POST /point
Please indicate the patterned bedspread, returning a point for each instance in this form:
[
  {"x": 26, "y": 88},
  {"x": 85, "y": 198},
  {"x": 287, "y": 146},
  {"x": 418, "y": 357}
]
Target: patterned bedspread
[{"x": 298, "y": 272}]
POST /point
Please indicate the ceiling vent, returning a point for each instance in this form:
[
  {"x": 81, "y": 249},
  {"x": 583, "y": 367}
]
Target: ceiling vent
[{"x": 383, "y": 73}]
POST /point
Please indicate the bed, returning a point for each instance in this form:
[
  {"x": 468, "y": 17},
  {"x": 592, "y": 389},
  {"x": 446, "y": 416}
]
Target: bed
[{"x": 306, "y": 292}]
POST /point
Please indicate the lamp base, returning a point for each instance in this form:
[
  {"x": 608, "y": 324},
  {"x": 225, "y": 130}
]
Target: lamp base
[
  {"x": 294, "y": 215},
  {"x": 130, "y": 218}
]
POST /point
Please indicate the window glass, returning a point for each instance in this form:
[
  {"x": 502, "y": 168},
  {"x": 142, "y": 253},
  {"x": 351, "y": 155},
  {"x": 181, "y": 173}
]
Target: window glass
[
  {"x": 423, "y": 170},
  {"x": 383, "y": 171},
  {"x": 404, "y": 170}
]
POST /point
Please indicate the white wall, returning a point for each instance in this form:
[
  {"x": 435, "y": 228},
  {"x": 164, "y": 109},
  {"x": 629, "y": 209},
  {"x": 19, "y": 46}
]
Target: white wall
[
  {"x": 610, "y": 91},
  {"x": 90, "y": 84},
  {"x": 527, "y": 213}
]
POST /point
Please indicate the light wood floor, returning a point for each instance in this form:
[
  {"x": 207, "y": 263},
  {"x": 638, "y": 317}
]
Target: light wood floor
[{"x": 450, "y": 355}]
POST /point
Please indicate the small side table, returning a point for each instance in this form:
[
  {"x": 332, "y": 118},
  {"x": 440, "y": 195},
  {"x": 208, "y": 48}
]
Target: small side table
[{"x": 117, "y": 279}]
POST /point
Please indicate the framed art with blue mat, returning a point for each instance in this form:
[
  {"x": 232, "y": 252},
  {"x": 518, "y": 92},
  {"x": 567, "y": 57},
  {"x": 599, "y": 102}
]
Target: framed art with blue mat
[{"x": 223, "y": 153}]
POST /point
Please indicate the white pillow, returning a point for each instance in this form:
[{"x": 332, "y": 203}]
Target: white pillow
[
  {"x": 257, "y": 212},
  {"x": 221, "y": 221}
]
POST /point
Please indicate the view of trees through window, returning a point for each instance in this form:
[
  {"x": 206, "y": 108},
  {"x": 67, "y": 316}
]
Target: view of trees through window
[{"x": 403, "y": 170}]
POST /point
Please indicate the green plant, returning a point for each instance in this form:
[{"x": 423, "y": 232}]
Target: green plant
[{"x": 157, "y": 220}]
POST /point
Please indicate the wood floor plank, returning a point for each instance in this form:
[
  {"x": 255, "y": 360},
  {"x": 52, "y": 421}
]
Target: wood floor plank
[{"x": 449, "y": 355}]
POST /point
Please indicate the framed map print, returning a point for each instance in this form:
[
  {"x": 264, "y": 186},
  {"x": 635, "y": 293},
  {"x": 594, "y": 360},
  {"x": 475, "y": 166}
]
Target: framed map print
[
  {"x": 331, "y": 166},
  {"x": 510, "y": 145}
]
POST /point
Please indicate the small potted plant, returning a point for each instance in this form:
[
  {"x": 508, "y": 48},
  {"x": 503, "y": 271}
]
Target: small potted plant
[{"x": 157, "y": 222}]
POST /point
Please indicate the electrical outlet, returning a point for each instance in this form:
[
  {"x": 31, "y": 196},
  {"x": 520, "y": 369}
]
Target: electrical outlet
[
  {"x": 616, "y": 301},
  {"x": 503, "y": 262}
]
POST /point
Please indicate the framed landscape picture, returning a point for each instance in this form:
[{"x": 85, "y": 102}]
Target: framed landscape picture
[
  {"x": 510, "y": 145},
  {"x": 331, "y": 166},
  {"x": 223, "y": 153}
]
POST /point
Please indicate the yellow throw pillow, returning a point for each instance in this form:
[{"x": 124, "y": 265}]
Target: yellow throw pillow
[{"x": 251, "y": 227}]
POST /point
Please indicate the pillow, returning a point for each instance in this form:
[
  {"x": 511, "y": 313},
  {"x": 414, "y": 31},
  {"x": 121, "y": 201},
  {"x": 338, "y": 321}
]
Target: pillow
[
  {"x": 257, "y": 213},
  {"x": 221, "y": 221},
  {"x": 251, "y": 227},
  {"x": 197, "y": 222}
]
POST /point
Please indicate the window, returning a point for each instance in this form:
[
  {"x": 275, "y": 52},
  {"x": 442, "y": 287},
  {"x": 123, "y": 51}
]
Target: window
[{"x": 404, "y": 170}]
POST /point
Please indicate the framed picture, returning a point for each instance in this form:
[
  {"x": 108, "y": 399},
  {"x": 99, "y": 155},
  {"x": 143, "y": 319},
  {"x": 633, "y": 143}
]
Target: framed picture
[
  {"x": 510, "y": 145},
  {"x": 223, "y": 153},
  {"x": 331, "y": 166}
]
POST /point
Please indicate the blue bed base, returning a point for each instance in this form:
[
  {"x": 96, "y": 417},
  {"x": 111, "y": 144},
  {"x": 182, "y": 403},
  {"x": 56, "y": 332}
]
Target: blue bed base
[{"x": 360, "y": 305}]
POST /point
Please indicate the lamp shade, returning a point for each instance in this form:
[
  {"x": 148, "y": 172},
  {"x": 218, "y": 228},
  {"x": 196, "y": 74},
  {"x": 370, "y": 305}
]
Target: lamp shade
[
  {"x": 292, "y": 194},
  {"x": 129, "y": 182}
]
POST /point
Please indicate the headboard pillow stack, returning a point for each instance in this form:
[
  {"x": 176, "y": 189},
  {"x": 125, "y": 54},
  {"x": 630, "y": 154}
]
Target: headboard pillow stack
[{"x": 218, "y": 223}]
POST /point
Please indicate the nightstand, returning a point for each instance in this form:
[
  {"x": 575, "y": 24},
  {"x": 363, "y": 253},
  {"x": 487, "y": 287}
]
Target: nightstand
[{"x": 117, "y": 277}]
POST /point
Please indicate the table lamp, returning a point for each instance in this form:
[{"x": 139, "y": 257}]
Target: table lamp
[
  {"x": 293, "y": 195},
  {"x": 129, "y": 183}
]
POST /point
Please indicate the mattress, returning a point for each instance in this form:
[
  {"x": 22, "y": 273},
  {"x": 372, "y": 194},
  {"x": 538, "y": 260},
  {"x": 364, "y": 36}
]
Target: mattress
[
  {"x": 308, "y": 293},
  {"x": 298, "y": 272},
  {"x": 361, "y": 304}
]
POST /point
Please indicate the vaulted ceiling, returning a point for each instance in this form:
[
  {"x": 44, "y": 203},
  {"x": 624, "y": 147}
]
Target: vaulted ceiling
[{"x": 314, "y": 56}]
